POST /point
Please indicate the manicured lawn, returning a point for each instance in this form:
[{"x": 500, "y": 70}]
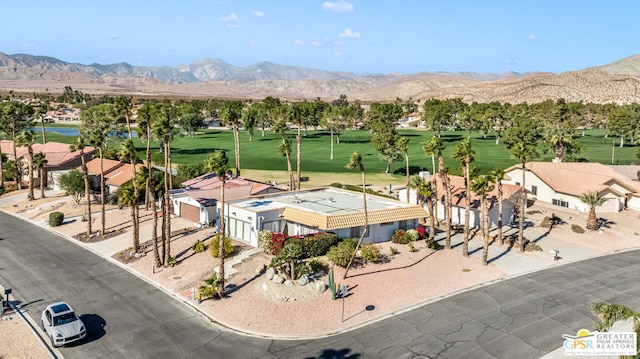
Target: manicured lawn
[{"x": 262, "y": 153}]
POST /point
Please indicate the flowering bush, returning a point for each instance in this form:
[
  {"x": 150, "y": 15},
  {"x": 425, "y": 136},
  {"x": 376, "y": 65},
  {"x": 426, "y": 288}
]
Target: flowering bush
[
  {"x": 400, "y": 236},
  {"x": 271, "y": 242},
  {"x": 422, "y": 232}
]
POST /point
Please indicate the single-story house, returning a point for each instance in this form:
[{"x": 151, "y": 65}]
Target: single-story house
[
  {"x": 93, "y": 169},
  {"x": 197, "y": 200},
  {"x": 562, "y": 184},
  {"x": 319, "y": 210},
  {"x": 510, "y": 199},
  {"x": 119, "y": 176},
  {"x": 59, "y": 159},
  {"x": 413, "y": 120}
]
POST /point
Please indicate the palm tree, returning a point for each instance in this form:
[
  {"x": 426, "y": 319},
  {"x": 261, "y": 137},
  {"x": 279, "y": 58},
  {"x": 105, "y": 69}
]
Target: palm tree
[
  {"x": 523, "y": 153},
  {"x": 231, "y": 115},
  {"x": 285, "y": 148},
  {"x": 128, "y": 153},
  {"x": 402, "y": 144},
  {"x": 14, "y": 118},
  {"x": 425, "y": 192},
  {"x": 78, "y": 145},
  {"x": 218, "y": 164},
  {"x": 299, "y": 111},
  {"x": 463, "y": 152},
  {"x": 356, "y": 162},
  {"x": 39, "y": 161},
  {"x": 482, "y": 185},
  {"x": 497, "y": 175},
  {"x": 592, "y": 199},
  {"x": 27, "y": 138},
  {"x": 560, "y": 136},
  {"x": 433, "y": 147}
]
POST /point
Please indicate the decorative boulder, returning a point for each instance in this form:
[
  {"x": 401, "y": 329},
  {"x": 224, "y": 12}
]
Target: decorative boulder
[
  {"x": 303, "y": 280},
  {"x": 320, "y": 287},
  {"x": 265, "y": 285},
  {"x": 278, "y": 279},
  {"x": 288, "y": 283},
  {"x": 270, "y": 272}
]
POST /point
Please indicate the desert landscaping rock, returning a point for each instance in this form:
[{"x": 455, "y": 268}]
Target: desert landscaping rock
[
  {"x": 320, "y": 287},
  {"x": 303, "y": 280},
  {"x": 278, "y": 279},
  {"x": 270, "y": 273}
]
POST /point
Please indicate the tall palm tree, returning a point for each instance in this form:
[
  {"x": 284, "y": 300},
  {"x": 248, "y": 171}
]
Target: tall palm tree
[
  {"x": 218, "y": 163},
  {"x": 592, "y": 199},
  {"x": 144, "y": 131},
  {"x": 299, "y": 112},
  {"x": 463, "y": 152},
  {"x": 39, "y": 161},
  {"x": 425, "y": 193},
  {"x": 27, "y": 138},
  {"x": 433, "y": 147},
  {"x": 79, "y": 145},
  {"x": 356, "y": 162},
  {"x": 128, "y": 153},
  {"x": 497, "y": 175},
  {"x": 482, "y": 185},
  {"x": 284, "y": 147},
  {"x": 402, "y": 145},
  {"x": 231, "y": 115}
]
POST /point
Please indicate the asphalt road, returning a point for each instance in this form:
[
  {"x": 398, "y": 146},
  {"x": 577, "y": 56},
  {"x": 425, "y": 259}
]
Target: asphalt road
[{"x": 523, "y": 317}]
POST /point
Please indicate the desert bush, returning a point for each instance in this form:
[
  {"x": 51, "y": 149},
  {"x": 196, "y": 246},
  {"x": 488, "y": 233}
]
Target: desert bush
[
  {"x": 199, "y": 247},
  {"x": 215, "y": 246},
  {"x": 271, "y": 242},
  {"x": 289, "y": 262},
  {"x": 577, "y": 229},
  {"x": 172, "y": 261},
  {"x": 431, "y": 243},
  {"x": 317, "y": 265},
  {"x": 422, "y": 232},
  {"x": 412, "y": 248},
  {"x": 413, "y": 234},
  {"x": 56, "y": 219},
  {"x": 370, "y": 252},
  {"x": 318, "y": 244},
  {"x": 393, "y": 251},
  {"x": 341, "y": 253},
  {"x": 400, "y": 236}
]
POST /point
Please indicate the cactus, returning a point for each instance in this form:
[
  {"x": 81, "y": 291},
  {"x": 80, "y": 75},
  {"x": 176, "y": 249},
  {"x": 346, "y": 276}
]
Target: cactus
[{"x": 333, "y": 286}]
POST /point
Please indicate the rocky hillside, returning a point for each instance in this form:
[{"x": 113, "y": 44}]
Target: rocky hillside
[{"x": 616, "y": 82}]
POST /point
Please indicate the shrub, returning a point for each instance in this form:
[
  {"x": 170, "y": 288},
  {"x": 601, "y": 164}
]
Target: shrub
[
  {"x": 400, "y": 236},
  {"x": 318, "y": 244},
  {"x": 341, "y": 253},
  {"x": 370, "y": 252},
  {"x": 215, "y": 246},
  {"x": 172, "y": 261},
  {"x": 317, "y": 265},
  {"x": 271, "y": 242},
  {"x": 431, "y": 243},
  {"x": 422, "y": 232},
  {"x": 412, "y": 248},
  {"x": 199, "y": 247},
  {"x": 393, "y": 251},
  {"x": 577, "y": 229},
  {"x": 288, "y": 262},
  {"x": 2, "y": 190},
  {"x": 413, "y": 234},
  {"x": 56, "y": 219}
]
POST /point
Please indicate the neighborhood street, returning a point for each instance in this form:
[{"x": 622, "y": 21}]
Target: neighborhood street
[{"x": 127, "y": 317}]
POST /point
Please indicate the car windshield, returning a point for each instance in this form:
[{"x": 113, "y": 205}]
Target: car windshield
[{"x": 64, "y": 319}]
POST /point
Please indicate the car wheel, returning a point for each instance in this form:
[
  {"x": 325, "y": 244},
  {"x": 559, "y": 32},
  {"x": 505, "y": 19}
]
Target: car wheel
[{"x": 53, "y": 343}]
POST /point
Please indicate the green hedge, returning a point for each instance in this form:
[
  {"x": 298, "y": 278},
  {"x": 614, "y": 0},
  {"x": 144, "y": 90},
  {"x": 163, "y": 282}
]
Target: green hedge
[{"x": 56, "y": 219}]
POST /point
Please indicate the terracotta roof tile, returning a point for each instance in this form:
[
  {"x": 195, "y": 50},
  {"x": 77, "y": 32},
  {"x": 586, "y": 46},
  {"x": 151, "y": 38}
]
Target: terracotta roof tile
[
  {"x": 349, "y": 220},
  {"x": 93, "y": 166}
]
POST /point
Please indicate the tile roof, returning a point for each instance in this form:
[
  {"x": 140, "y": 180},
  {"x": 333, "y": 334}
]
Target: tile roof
[
  {"x": 348, "y": 220},
  {"x": 121, "y": 175},
  {"x": 576, "y": 178},
  {"x": 210, "y": 181},
  {"x": 458, "y": 198},
  {"x": 56, "y": 153},
  {"x": 93, "y": 166}
]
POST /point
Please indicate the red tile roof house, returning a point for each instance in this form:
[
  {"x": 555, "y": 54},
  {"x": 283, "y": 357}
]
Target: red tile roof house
[
  {"x": 59, "y": 159},
  {"x": 510, "y": 195},
  {"x": 563, "y": 183},
  {"x": 108, "y": 166},
  {"x": 119, "y": 176},
  {"x": 197, "y": 200}
]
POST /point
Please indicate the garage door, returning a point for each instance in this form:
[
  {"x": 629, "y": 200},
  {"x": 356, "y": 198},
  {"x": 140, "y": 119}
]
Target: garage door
[{"x": 189, "y": 212}]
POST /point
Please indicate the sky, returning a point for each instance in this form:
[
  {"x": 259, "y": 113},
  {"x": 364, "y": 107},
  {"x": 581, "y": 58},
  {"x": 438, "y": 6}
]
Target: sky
[{"x": 359, "y": 36}]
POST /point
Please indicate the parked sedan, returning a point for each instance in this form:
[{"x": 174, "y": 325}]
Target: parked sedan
[{"x": 62, "y": 325}]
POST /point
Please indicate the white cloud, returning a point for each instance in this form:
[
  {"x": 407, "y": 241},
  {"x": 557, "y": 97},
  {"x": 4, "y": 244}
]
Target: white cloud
[
  {"x": 337, "y": 54},
  {"x": 316, "y": 43},
  {"x": 231, "y": 17},
  {"x": 532, "y": 37},
  {"x": 258, "y": 13},
  {"x": 340, "y": 6},
  {"x": 252, "y": 43},
  {"x": 298, "y": 42},
  {"x": 349, "y": 34},
  {"x": 114, "y": 36}
]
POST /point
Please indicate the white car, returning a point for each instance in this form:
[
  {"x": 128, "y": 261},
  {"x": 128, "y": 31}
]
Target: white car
[{"x": 62, "y": 325}]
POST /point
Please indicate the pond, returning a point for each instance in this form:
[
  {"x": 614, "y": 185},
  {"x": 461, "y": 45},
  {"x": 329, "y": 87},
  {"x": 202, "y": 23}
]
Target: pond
[{"x": 74, "y": 132}]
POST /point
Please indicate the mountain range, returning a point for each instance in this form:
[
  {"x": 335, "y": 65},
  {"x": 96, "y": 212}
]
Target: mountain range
[{"x": 615, "y": 82}]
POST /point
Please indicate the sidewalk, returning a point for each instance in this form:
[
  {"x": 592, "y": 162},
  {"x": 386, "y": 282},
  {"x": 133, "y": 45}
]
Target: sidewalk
[{"x": 445, "y": 265}]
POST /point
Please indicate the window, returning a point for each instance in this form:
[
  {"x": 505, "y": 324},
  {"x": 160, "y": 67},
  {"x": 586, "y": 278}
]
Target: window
[
  {"x": 273, "y": 226},
  {"x": 559, "y": 202},
  {"x": 534, "y": 190},
  {"x": 408, "y": 224},
  {"x": 386, "y": 224},
  {"x": 356, "y": 232}
]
